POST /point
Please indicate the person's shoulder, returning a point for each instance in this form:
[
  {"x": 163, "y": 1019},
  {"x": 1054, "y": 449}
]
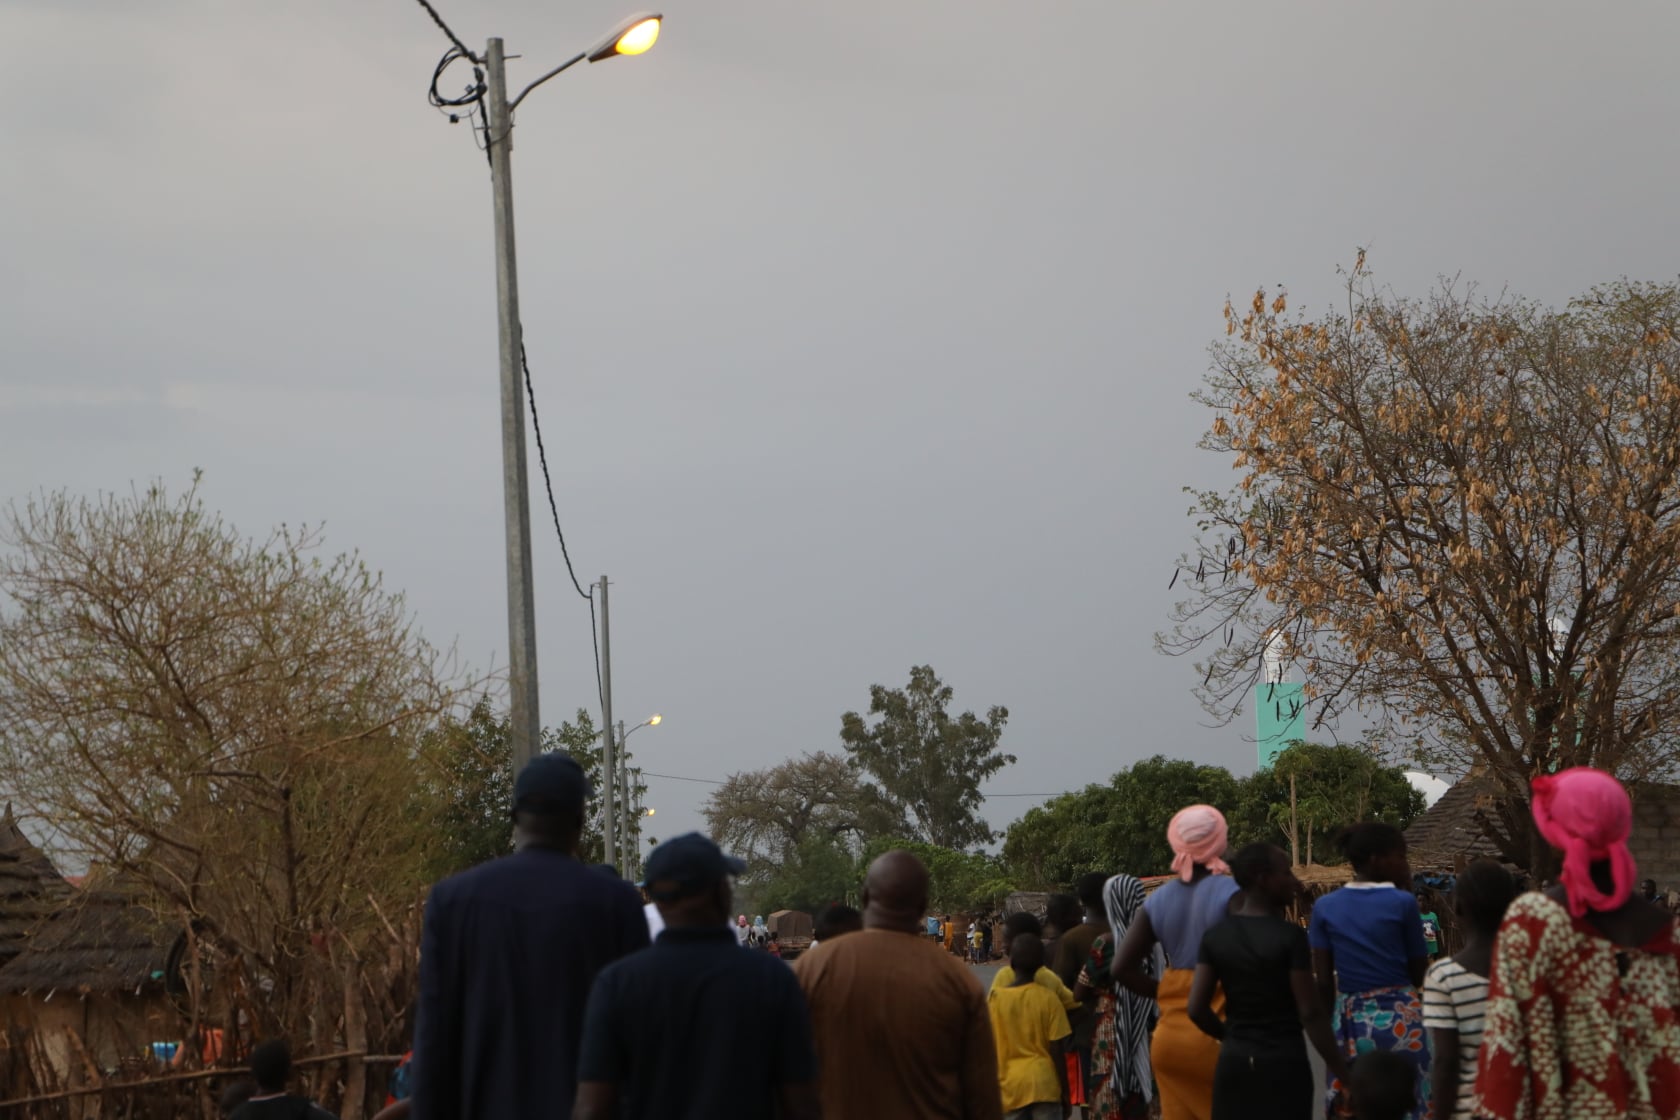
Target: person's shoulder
[
  {"x": 1442, "y": 973},
  {"x": 1536, "y": 908}
]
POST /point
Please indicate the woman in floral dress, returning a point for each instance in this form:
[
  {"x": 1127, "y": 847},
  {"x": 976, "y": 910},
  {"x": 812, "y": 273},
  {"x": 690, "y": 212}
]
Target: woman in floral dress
[
  {"x": 1583, "y": 1018},
  {"x": 1121, "y": 1083}
]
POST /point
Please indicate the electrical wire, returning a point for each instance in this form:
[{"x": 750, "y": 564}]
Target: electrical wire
[
  {"x": 680, "y": 778},
  {"x": 444, "y": 27},
  {"x": 471, "y": 95},
  {"x": 542, "y": 460}
]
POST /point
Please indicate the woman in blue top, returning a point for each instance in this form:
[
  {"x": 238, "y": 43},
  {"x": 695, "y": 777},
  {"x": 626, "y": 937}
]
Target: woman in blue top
[
  {"x": 1175, "y": 917},
  {"x": 1369, "y": 954}
]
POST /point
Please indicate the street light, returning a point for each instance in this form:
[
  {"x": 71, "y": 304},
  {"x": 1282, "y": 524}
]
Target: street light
[{"x": 634, "y": 36}]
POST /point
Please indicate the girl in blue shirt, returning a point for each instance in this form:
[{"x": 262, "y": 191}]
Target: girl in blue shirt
[{"x": 1369, "y": 954}]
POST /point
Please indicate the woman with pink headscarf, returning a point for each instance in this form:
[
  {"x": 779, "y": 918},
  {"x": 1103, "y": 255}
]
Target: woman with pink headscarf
[
  {"x": 1175, "y": 917},
  {"x": 1583, "y": 1016}
]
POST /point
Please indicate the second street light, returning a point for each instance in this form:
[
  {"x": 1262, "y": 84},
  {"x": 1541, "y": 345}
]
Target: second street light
[{"x": 634, "y": 36}]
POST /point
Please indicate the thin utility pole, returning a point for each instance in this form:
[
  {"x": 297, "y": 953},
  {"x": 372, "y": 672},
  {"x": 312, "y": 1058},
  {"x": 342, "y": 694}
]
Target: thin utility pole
[
  {"x": 524, "y": 721},
  {"x": 609, "y": 787}
]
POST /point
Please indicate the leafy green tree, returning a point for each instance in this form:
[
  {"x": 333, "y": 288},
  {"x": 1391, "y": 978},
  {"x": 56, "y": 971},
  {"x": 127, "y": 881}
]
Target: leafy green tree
[
  {"x": 467, "y": 786},
  {"x": 806, "y": 805},
  {"x": 958, "y": 880},
  {"x": 1312, "y": 789},
  {"x": 818, "y": 872},
  {"x": 926, "y": 762}
]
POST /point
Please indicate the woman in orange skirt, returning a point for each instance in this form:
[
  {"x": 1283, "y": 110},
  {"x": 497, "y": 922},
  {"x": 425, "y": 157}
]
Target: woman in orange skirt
[{"x": 1174, "y": 918}]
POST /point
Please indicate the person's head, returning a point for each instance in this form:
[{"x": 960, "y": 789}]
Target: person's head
[
  {"x": 1089, "y": 888},
  {"x": 1197, "y": 835},
  {"x": 1026, "y": 955},
  {"x": 1382, "y": 1085},
  {"x": 1481, "y": 895},
  {"x": 1018, "y": 924},
  {"x": 895, "y": 892},
  {"x": 1062, "y": 913},
  {"x": 548, "y": 800},
  {"x": 837, "y": 921},
  {"x": 741, "y": 920},
  {"x": 1648, "y": 889},
  {"x": 691, "y": 881},
  {"x": 271, "y": 1065},
  {"x": 1377, "y": 852},
  {"x": 235, "y": 1094},
  {"x": 1586, "y": 815},
  {"x": 1263, "y": 871}
]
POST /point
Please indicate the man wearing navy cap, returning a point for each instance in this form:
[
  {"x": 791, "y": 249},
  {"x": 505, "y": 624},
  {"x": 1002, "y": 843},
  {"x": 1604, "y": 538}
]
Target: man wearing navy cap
[
  {"x": 696, "y": 1029},
  {"x": 508, "y": 952}
]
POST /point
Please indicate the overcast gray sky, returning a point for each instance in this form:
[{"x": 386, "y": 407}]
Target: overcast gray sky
[{"x": 862, "y": 332}]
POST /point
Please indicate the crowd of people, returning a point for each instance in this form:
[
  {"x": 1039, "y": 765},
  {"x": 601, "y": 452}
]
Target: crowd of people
[{"x": 541, "y": 996}]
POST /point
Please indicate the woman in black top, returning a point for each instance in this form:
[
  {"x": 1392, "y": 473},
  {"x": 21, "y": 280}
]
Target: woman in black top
[{"x": 1262, "y": 961}]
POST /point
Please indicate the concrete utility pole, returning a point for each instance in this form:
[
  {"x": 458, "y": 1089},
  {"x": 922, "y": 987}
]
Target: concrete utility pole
[
  {"x": 609, "y": 787},
  {"x": 524, "y": 721}
]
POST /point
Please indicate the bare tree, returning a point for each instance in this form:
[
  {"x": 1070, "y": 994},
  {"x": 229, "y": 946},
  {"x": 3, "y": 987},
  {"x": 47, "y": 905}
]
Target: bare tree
[
  {"x": 1462, "y": 516},
  {"x": 229, "y": 728}
]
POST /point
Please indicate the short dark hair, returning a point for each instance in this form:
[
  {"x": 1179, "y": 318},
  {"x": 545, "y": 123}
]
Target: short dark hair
[
  {"x": 836, "y": 920},
  {"x": 1089, "y": 888},
  {"x": 1483, "y": 892},
  {"x": 1383, "y": 1085},
  {"x": 1253, "y": 862},
  {"x": 1026, "y": 952},
  {"x": 1020, "y": 922},
  {"x": 1368, "y": 840},
  {"x": 271, "y": 1065},
  {"x": 1063, "y": 912}
]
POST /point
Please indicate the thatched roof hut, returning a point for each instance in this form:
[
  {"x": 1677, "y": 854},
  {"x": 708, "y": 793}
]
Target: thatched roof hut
[
  {"x": 1451, "y": 832},
  {"x": 102, "y": 940},
  {"x": 30, "y": 888}
]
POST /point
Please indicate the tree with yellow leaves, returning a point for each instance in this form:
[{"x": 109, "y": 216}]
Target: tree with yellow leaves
[{"x": 1463, "y": 516}]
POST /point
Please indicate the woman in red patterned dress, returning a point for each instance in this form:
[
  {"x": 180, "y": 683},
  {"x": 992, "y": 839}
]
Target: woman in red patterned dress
[{"x": 1583, "y": 1019}]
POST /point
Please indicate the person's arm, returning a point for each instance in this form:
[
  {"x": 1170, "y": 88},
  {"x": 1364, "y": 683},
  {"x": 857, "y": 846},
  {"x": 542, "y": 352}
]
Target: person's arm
[
  {"x": 596, "y": 1100},
  {"x": 1050, "y": 980},
  {"x": 794, "y": 1062},
  {"x": 437, "y": 1047},
  {"x": 1417, "y": 948},
  {"x": 1058, "y": 1058},
  {"x": 398, "y": 1111},
  {"x": 1324, "y": 968},
  {"x": 1444, "y": 1071},
  {"x": 979, "y": 1071},
  {"x": 1315, "y": 1021},
  {"x": 1128, "y": 962},
  {"x": 1201, "y": 1002}
]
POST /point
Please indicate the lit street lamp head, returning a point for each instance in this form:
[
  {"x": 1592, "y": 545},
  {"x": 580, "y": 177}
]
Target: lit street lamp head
[
  {"x": 654, "y": 722},
  {"x": 636, "y": 35}
]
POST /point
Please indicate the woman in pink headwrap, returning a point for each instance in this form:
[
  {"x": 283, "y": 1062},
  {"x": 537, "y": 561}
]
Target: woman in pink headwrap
[
  {"x": 1583, "y": 1016},
  {"x": 1175, "y": 917}
]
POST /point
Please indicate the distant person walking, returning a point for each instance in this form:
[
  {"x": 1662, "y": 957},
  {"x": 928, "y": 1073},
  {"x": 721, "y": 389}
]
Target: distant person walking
[
  {"x": 271, "y": 1068},
  {"x": 1370, "y": 955},
  {"x": 1260, "y": 959},
  {"x": 836, "y": 921},
  {"x": 1583, "y": 1016},
  {"x": 694, "y": 1028},
  {"x": 1455, "y": 990},
  {"x": 902, "y": 1030},
  {"x": 1030, "y": 1030},
  {"x": 1017, "y": 924},
  {"x": 508, "y": 953},
  {"x": 1176, "y": 916}
]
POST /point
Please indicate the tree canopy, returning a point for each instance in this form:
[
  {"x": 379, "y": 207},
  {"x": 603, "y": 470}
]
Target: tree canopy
[
  {"x": 215, "y": 722},
  {"x": 1460, "y": 516},
  {"x": 925, "y": 762}
]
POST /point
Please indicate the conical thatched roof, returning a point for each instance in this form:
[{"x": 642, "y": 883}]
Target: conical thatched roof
[
  {"x": 1452, "y": 829},
  {"x": 30, "y": 888}
]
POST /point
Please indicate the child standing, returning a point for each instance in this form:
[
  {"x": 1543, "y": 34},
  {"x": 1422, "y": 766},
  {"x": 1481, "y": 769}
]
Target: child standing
[
  {"x": 1030, "y": 1030},
  {"x": 1456, "y": 990}
]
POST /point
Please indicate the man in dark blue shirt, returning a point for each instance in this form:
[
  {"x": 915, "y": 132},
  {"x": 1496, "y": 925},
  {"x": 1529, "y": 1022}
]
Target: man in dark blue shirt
[
  {"x": 694, "y": 1028},
  {"x": 507, "y": 956}
]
